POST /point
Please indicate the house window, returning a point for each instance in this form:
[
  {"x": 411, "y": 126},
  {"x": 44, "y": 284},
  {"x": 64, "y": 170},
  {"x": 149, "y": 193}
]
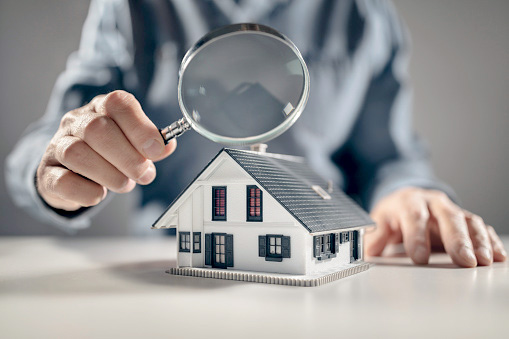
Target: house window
[
  {"x": 325, "y": 246},
  {"x": 345, "y": 236},
  {"x": 274, "y": 244},
  {"x": 196, "y": 242},
  {"x": 254, "y": 203},
  {"x": 274, "y": 247},
  {"x": 219, "y": 203},
  {"x": 185, "y": 242}
]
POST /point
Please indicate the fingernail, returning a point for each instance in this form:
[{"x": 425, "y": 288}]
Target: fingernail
[
  {"x": 485, "y": 254},
  {"x": 503, "y": 252},
  {"x": 421, "y": 255},
  {"x": 153, "y": 148},
  {"x": 468, "y": 255},
  {"x": 148, "y": 176}
]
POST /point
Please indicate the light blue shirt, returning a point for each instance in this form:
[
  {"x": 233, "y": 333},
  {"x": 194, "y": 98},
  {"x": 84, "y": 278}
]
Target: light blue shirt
[{"x": 356, "y": 129}]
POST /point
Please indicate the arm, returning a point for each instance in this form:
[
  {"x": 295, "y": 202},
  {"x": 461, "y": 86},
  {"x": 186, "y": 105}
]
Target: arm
[
  {"x": 388, "y": 169},
  {"x": 99, "y": 66}
]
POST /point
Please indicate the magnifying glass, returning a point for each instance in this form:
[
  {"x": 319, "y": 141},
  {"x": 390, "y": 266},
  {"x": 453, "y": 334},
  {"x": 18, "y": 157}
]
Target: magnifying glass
[{"x": 241, "y": 84}]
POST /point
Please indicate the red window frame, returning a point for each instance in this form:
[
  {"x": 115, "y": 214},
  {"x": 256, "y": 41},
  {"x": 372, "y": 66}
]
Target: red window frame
[
  {"x": 219, "y": 203},
  {"x": 254, "y": 208}
]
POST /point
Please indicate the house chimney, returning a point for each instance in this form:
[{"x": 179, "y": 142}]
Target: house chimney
[
  {"x": 260, "y": 148},
  {"x": 330, "y": 186}
]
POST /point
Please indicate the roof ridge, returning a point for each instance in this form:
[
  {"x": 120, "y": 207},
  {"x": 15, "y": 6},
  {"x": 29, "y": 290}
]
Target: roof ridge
[{"x": 287, "y": 157}]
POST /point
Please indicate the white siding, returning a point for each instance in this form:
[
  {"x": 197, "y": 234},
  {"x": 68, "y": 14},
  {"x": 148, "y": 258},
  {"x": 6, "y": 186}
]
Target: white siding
[
  {"x": 185, "y": 223},
  {"x": 245, "y": 246},
  {"x": 198, "y": 259}
]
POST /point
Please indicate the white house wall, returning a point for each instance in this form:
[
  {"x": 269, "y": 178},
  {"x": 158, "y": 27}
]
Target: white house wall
[
  {"x": 185, "y": 224},
  {"x": 245, "y": 247},
  {"x": 195, "y": 215}
]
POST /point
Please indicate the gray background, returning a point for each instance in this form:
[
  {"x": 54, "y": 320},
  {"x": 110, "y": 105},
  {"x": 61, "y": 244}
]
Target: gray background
[{"x": 460, "y": 72}]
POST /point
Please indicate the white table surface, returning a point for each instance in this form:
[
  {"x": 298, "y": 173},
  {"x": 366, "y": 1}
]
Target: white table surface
[{"x": 117, "y": 287}]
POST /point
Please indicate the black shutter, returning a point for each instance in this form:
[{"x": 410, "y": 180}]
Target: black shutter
[
  {"x": 316, "y": 246},
  {"x": 355, "y": 245},
  {"x": 229, "y": 250},
  {"x": 262, "y": 246},
  {"x": 285, "y": 247},
  {"x": 208, "y": 249},
  {"x": 337, "y": 236}
]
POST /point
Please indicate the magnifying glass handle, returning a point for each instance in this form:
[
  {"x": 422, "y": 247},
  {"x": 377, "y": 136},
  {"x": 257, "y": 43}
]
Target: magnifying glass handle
[{"x": 174, "y": 130}]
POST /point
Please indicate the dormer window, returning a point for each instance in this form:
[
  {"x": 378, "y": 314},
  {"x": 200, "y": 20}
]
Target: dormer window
[
  {"x": 321, "y": 192},
  {"x": 254, "y": 208},
  {"x": 219, "y": 203}
]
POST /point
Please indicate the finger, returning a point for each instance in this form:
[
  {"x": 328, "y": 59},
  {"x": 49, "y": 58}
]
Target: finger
[
  {"x": 499, "y": 253},
  {"x": 454, "y": 231},
  {"x": 76, "y": 155},
  {"x": 103, "y": 135},
  {"x": 414, "y": 221},
  {"x": 396, "y": 236},
  {"x": 55, "y": 201},
  {"x": 376, "y": 239},
  {"x": 168, "y": 150},
  {"x": 126, "y": 111},
  {"x": 480, "y": 239},
  {"x": 66, "y": 185}
]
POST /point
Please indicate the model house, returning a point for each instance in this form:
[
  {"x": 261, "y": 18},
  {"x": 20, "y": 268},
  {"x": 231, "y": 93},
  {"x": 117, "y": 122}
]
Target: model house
[{"x": 267, "y": 218}]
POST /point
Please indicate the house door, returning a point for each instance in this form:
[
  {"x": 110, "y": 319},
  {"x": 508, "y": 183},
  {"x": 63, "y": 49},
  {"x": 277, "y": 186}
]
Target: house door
[{"x": 219, "y": 250}]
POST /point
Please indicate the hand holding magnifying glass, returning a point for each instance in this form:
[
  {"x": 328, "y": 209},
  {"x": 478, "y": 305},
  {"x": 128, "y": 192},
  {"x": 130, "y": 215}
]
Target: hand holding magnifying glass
[{"x": 241, "y": 84}]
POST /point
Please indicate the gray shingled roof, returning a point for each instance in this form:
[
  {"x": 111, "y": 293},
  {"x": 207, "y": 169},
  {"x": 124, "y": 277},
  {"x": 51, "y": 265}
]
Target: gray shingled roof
[{"x": 289, "y": 182}]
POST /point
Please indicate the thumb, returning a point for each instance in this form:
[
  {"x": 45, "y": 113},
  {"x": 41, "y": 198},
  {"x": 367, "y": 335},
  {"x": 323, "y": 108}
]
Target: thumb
[{"x": 168, "y": 149}]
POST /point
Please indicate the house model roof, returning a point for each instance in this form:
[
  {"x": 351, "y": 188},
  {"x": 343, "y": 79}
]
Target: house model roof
[{"x": 301, "y": 191}]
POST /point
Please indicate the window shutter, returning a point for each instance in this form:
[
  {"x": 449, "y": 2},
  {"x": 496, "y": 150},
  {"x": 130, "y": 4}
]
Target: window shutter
[
  {"x": 337, "y": 236},
  {"x": 285, "y": 246},
  {"x": 208, "y": 249},
  {"x": 316, "y": 246},
  {"x": 229, "y": 250},
  {"x": 262, "y": 246}
]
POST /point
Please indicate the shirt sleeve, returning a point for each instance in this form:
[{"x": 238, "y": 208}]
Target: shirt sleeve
[
  {"x": 383, "y": 153},
  {"x": 104, "y": 55}
]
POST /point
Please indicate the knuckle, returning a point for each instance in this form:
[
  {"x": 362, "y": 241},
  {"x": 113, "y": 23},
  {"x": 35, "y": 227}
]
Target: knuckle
[
  {"x": 458, "y": 241},
  {"x": 477, "y": 220},
  {"x": 119, "y": 183},
  {"x": 97, "y": 126},
  {"x": 453, "y": 213},
  {"x": 96, "y": 100},
  {"x": 419, "y": 214},
  {"x": 442, "y": 197},
  {"x": 408, "y": 192},
  {"x": 73, "y": 152},
  {"x": 67, "y": 120},
  {"x": 118, "y": 100},
  {"x": 135, "y": 167},
  {"x": 480, "y": 237}
]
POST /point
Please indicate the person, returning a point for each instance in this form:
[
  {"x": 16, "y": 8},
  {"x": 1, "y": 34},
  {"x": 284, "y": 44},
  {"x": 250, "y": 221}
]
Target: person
[{"x": 99, "y": 132}]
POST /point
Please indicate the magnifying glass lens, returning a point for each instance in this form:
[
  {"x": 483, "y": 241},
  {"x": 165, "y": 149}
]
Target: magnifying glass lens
[{"x": 242, "y": 85}]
